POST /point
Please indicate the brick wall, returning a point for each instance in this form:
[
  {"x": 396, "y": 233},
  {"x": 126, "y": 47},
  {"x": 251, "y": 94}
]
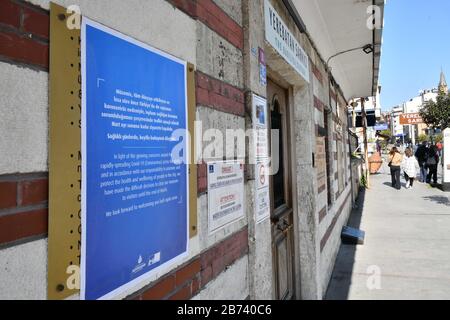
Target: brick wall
[
  {"x": 23, "y": 208},
  {"x": 214, "y": 93},
  {"x": 24, "y": 40},
  {"x": 214, "y": 17},
  {"x": 24, "y": 34},
  {"x": 317, "y": 73}
]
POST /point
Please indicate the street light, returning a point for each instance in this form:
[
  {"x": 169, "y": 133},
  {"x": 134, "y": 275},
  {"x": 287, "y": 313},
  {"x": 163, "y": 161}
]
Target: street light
[{"x": 368, "y": 49}]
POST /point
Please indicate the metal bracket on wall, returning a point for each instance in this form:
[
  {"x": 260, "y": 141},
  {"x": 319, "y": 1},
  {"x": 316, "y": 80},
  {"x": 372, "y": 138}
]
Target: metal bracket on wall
[
  {"x": 64, "y": 229},
  {"x": 192, "y": 106}
]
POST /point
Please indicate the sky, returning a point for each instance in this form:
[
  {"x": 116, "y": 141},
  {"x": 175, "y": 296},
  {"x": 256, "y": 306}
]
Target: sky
[{"x": 415, "y": 47}]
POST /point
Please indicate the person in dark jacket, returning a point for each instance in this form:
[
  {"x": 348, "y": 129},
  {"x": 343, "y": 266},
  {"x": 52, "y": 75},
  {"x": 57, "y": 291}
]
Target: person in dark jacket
[
  {"x": 422, "y": 156},
  {"x": 432, "y": 164}
]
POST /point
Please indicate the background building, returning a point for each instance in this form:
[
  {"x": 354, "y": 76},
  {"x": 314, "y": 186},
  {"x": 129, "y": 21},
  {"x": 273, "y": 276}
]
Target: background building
[{"x": 414, "y": 105}]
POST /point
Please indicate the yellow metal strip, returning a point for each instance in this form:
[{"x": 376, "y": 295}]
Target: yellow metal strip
[
  {"x": 192, "y": 105},
  {"x": 64, "y": 228}
]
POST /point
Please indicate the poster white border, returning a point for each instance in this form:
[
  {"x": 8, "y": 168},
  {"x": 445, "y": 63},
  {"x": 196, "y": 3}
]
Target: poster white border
[{"x": 180, "y": 258}]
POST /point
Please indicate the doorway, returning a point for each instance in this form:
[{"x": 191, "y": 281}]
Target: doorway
[{"x": 282, "y": 220}]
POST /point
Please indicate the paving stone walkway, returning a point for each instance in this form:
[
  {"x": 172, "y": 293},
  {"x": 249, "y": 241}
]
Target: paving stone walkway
[{"x": 406, "y": 254}]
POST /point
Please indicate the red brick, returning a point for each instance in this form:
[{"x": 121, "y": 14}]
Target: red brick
[
  {"x": 182, "y": 294},
  {"x": 9, "y": 13},
  {"x": 162, "y": 289},
  {"x": 23, "y": 49},
  {"x": 318, "y": 104},
  {"x": 202, "y": 179},
  {"x": 207, "y": 258},
  {"x": 316, "y": 72},
  {"x": 232, "y": 93},
  {"x": 221, "y": 103},
  {"x": 218, "y": 265},
  {"x": 187, "y": 6},
  {"x": 202, "y": 81},
  {"x": 210, "y": 7},
  {"x": 8, "y": 195},
  {"x": 202, "y": 96},
  {"x": 195, "y": 287},
  {"x": 216, "y": 19},
  {"x": 202, "y": 170},
  {"x": 202, "y": 185},
  {"x": 23, "y": 225},
  {"x": 236, "y": 39},
  {"x": 231, "y": 256},
  {"x": 33, "y": 192},
  {"x": 206, "y": 276},
  {"x": 187, "y": 273},
  {"x": 322, "y": 214},
  {"x": 37, "y": 23}
]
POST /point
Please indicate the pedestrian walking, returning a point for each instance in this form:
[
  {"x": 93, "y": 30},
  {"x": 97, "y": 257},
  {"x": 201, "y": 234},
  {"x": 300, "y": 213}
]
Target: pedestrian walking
[
  {"x": 395, "y": 162},
  {"x": 409, "y": 167},
  {"x": 422, "y": 156},
  {"x": 432, "y": 164}
]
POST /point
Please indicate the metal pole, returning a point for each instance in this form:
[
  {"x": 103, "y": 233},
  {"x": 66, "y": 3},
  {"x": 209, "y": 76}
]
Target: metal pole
[{"x": 366, "y": 146}]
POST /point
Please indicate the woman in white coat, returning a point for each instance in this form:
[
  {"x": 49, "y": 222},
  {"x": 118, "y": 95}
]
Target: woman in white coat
[{"x": 409, "y": 167}]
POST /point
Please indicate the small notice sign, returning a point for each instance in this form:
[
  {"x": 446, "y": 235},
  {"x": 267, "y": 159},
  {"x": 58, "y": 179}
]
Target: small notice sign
[
  {"x": 225, "y": 194},
  {"x": 260, "y": 125}
]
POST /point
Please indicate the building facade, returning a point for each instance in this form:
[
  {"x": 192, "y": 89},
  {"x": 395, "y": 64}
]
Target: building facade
[
  {"x": 289, "y": 256},
  {"x": 414, "y": 105}
]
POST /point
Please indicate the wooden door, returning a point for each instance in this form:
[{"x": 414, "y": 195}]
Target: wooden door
[{"x": 281, "y": 195}]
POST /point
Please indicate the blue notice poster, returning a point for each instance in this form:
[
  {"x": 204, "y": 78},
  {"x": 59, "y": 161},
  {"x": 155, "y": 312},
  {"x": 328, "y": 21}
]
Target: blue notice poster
[{"x": 134, "y": 194}]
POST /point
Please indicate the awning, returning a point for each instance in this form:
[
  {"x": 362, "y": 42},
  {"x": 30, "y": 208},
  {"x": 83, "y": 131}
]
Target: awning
[{"x": 339, "y": 25}]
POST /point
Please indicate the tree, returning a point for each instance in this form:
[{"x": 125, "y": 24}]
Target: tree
[
  {"x": 423, "y": 138},
  {"x": 437, "y": 114},
  {"x": 439, "y": 137},
  {"x": 387, "y": 134}
]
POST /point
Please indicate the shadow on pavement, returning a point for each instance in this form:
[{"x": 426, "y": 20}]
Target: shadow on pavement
[
  {"x": 340, "y": 282},
  {"x": 388, "y": 184},
  {"x": 439, "y": 199}
]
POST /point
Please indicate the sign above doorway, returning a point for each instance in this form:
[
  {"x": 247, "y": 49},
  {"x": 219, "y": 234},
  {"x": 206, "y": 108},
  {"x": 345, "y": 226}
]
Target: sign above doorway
[{"x": 283, "y": 41}]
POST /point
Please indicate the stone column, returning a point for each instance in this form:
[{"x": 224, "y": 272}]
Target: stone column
[{"x": 260, "y": 238}]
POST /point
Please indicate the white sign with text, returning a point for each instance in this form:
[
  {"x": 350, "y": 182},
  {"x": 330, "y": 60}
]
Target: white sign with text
[
  {"x": 284, "y": 42},
  {"x": 225, "y": 194},
  {"x": 260, "y": 124}
]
